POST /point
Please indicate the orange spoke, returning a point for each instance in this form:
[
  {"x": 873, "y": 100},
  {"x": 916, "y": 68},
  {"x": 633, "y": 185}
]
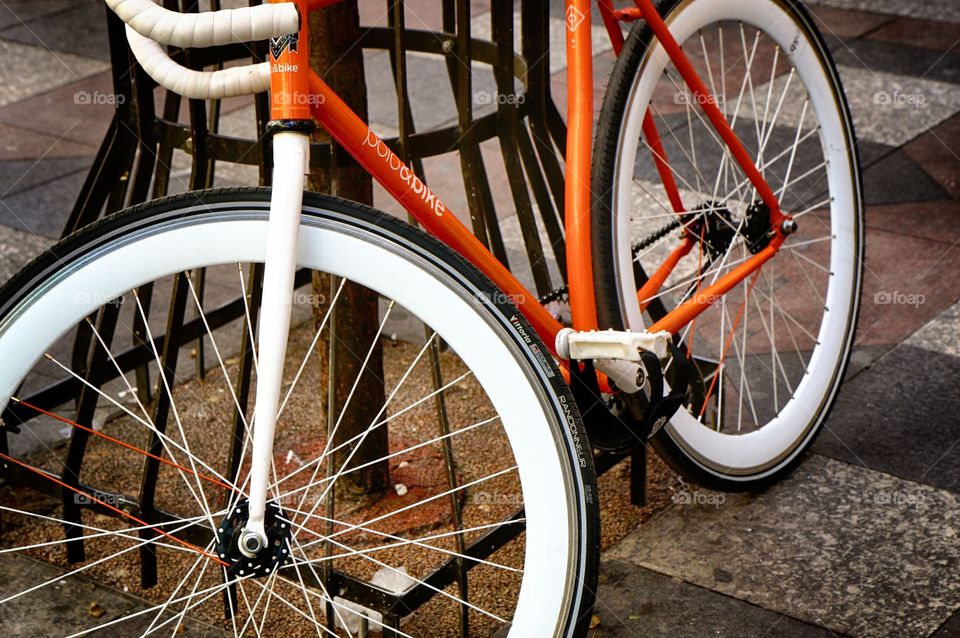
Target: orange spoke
[
  {"x": 124, "y": 444},
  {"x": 723, "y": 355},
  {"x": 113, "y": 508}
]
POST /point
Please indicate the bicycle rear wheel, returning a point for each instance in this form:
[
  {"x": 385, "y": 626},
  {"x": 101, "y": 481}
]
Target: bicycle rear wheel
[
  {"x": 489, "y": 522},
  {"x": 770, "y": 354}
]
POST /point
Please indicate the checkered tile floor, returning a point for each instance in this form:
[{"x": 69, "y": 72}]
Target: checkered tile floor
[{"x": 863, "y": 539}]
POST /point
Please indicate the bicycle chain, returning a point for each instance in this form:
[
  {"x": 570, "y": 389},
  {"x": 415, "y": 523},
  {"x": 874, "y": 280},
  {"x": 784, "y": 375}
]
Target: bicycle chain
[{"x": 562, "y": 293}]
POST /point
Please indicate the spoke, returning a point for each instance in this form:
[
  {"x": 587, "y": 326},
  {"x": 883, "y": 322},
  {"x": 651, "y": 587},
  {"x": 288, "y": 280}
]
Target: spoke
[
  {"x": 306, "y": 598},
  {"x": 385, "y": 458},
  {"x": 193, "y": 592},
  {"x": 313, "y": 345},
  {"x": 429, "y": 499},
  {"x": 164, "y": 439},
  {"x": 208, "y": 593},
  {"x": 793, "y": 149},
  {"x": 420, "y": 582},
  {"x": 74, "y": 572},
  {"x": 99, "y": 531},
  {"x": 404, "y": 542},
  {"x": 173, "y": 406},
  {"x": 366, "y": 431}
]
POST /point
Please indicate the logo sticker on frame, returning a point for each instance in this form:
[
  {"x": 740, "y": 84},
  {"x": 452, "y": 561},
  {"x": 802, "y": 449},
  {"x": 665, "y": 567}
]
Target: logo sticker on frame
[{"x": 281, "y": 44}]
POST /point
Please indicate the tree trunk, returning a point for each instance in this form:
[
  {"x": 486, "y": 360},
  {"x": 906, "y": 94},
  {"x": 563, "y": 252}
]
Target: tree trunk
[{"x": 334, "y": 54}]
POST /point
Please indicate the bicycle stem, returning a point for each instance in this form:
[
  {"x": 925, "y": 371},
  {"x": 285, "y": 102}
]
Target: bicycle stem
[{"x": 291, "y": 160}]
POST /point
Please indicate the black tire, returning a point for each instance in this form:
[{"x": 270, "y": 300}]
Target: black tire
[
  {"x": 406, "y": 240},
  {"x": 605, "y": 155}
]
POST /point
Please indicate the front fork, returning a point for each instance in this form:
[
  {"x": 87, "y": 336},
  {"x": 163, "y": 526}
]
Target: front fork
[{"x": 291, "y": 161}]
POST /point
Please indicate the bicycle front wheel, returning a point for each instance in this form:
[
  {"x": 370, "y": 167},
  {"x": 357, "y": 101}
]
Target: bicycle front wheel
[
  {"x": 770, "y": 354},
  {"x": 480, "y": 519}
]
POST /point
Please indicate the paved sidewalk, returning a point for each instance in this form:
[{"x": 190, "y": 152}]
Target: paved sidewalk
[{"x": 863, "y": 539}]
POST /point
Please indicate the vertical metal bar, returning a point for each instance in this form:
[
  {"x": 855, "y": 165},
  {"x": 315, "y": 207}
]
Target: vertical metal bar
[
  {"x": 508, "y": 117},
  {"x": 331, "y": 470},
  {"x": 86, "y": 409},
  {"x": 444, "y": 422},
  {"x": 148, "y": 486},
  {"x": 534, "y": 42}
]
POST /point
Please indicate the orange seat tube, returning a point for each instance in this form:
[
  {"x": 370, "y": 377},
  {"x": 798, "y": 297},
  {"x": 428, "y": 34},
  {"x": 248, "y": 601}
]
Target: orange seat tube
[{"x": 579, "y": 139}]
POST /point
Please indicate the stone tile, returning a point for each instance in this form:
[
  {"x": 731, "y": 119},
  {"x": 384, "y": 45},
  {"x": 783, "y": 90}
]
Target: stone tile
[
  {"x": 898, "y": 179},
  {"x": 18, "y": 143},
  {"x": 901, "y": 59},
  {"x": 900, "y": 417},
  {"x": 65, "y": 112},
  {"x": 904, "y": 285},
  {"x": 929, "y": 34},
  {"x": 949, "y": 629},
  {"x": 940, "y": 335},
  {"x": 942, "y": 10},
  {"x": 19, "y": 175},
  {"x": 846, "y": 24},
  {"x": 80, "y": 30},
  {"x": 937, "y": 221},
  {"x": 887, "y": 108},
  {"x": 30, "y": 70},
  {"x": 938, "y": 152},
  {"x": 18, "y": 248},
  {"x": 17, "y": 12},
  {"x": 43, "y": 210},
  {"x": 46, "y": 613},
  {"x": 633, "y": 601},
  {"x": 853, "y": 550}
]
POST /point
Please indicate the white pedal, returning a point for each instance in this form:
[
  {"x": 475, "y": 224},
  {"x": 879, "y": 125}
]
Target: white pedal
[{"x": 610, "y": 344}]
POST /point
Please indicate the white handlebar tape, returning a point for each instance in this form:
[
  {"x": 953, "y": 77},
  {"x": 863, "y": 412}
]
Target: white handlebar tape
[
  {"x": 207, "y": 28},
  {"x": 201, "y": 85}
]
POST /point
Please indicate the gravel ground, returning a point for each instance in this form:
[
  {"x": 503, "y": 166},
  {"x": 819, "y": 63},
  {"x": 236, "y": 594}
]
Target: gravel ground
[{"x": 205, "y": 411}]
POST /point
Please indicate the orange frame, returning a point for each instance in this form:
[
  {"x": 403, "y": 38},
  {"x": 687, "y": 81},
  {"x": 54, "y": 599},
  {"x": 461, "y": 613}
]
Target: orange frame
[{"x": 298, "y": 93}]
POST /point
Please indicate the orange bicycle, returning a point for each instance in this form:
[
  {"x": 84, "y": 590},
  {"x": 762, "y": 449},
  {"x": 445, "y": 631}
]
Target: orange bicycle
[{"x": 714, "y": 249}]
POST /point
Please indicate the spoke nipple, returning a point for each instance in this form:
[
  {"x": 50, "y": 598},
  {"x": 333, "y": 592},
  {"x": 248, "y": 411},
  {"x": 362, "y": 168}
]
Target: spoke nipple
[{"x": 788, "y": 227}]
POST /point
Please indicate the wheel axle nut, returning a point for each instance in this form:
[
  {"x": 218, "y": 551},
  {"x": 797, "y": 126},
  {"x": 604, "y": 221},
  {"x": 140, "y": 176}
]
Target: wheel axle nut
[
  {"x": 250, "y": 543},
  {"x": 788, "y": 227}
]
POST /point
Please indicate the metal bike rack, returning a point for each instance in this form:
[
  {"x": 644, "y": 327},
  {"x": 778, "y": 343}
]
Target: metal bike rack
[{"x": 133, "y": 166}]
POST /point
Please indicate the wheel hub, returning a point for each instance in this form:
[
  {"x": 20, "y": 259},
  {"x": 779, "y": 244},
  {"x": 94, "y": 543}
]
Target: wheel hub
[{"x": 273, "y": 552}]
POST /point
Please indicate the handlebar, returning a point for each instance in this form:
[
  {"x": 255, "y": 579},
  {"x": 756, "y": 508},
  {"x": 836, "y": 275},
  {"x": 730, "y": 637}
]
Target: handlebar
[
  {"x": 149, "y": 26},
  {"x": 208, "y": 28}
]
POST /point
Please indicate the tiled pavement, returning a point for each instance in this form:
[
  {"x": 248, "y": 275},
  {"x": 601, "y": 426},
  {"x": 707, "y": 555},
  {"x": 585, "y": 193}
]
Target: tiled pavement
[{"x": 863, "y": 538}]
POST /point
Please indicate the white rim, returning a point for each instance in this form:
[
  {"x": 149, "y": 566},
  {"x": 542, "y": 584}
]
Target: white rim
[
  {"x": 752, "y": 454},
  {"x": 151, "y": 254}
]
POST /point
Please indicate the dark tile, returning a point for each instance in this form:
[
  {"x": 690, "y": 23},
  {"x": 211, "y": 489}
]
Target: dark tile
[
  {"x": 897, "y": 179},
  {"x": 938, "y": 153},
  {"x": 43, "y": 210},
  {"x": 17, "y": 12},
  {"x": 857, "y": 551},
  {"x": 841, "y": 23},
  {"x": 949, "y": 629},
  {"x": 928, "y": 34},
  {"x": 901, "y": 417},
  {"x": 81, "y": 30},
  {"x": 65, "y": 112},
  {"x": 901, "y": 59},
  {"x": 938, "y": 221},
  {"x": 907, "y": 282},
  {"x": 18, "y": 143},
  {"x": 20, "y": 175},
  {"x": 633, "y": 601}
]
